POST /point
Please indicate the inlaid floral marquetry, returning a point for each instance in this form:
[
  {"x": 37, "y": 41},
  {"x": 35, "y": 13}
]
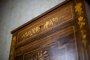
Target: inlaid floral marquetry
[
  {"x": 58, "y": 34},
  {"x": 61, "y": 16},
  {"x": 81, "y": 22}
]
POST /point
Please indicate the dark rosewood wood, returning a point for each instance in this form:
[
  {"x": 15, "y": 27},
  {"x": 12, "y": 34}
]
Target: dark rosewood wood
[{"x": 60, "y": 33}]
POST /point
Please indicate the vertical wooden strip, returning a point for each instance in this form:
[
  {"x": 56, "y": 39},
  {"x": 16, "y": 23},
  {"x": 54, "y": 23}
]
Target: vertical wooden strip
[
  {"x": 12, "y": 50},
  {"x": 81, "y": 23}
]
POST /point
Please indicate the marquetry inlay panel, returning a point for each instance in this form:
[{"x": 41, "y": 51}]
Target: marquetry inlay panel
[{"x": 59, "y": 34}]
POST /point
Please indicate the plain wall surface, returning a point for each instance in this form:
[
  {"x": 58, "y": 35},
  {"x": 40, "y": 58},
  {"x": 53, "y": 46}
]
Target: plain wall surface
[{"x": 14, "y": 13}]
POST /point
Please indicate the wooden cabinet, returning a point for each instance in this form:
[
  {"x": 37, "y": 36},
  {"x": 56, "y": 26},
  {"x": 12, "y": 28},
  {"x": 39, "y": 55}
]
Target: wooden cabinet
[{"x": 59, "y": 34}]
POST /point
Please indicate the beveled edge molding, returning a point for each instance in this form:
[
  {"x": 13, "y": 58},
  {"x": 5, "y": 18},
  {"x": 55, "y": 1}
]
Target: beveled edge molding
[{"x": 34, "y": 19}]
